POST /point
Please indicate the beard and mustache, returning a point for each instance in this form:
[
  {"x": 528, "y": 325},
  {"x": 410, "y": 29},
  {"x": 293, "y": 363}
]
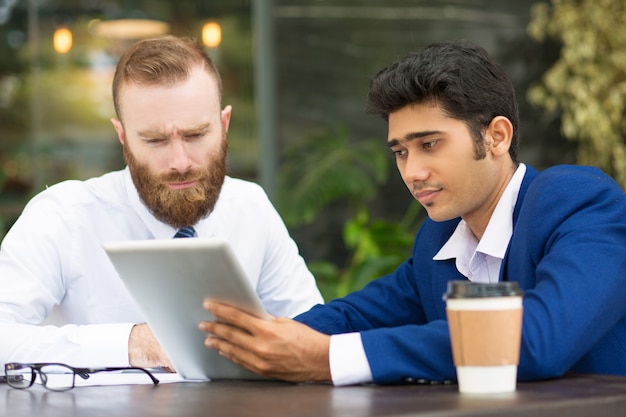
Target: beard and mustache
[{"x": 182, "y": 207}]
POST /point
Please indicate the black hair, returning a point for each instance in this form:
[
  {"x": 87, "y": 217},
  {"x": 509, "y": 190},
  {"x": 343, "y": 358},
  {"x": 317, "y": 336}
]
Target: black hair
[{"x": 458, "y": 76}]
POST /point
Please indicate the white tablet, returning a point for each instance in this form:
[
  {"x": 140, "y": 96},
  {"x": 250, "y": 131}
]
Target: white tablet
[{"x": 169, "y": 279}]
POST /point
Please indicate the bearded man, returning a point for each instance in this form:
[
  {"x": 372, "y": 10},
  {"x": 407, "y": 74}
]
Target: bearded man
[{"x": 173, "y": 129}]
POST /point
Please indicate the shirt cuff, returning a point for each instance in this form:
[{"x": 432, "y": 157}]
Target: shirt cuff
[
  {"x": 105, "y": 345},
  {"x": 347, "y": 360}
]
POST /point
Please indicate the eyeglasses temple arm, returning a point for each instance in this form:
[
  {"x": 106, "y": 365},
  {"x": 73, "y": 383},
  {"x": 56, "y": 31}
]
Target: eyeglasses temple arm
[{"x": 85, "y": 371}]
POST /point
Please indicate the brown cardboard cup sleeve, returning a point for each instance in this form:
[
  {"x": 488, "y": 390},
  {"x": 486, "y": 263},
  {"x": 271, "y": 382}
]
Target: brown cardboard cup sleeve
[{"x": 485, "y": 337}]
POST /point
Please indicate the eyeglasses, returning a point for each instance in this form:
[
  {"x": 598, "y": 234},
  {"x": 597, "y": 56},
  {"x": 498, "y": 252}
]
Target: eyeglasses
[{"x": 55, "y": 376}]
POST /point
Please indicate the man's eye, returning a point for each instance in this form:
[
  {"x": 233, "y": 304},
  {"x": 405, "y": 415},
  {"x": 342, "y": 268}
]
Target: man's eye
[
  {"x": 154, "y": 141},
  {"x": 430, "y": 144},
  {"x": 399, "y": 152},
  {"x": 194, "y": 136}
]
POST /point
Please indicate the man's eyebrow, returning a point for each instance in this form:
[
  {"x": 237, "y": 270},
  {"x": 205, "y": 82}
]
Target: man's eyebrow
[
  {"x": 196, "y": 129},
  {"x": 412, "y": 136},
  {"x": 149, "y": 133}
]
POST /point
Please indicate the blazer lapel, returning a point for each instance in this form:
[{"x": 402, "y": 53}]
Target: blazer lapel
[{"x": 529, "y": 176}]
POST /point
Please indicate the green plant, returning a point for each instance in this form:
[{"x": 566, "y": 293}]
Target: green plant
[
  {"x": 377, "y": 247},
  {"x": 588, "y": 82},
  {"x": 322, "y": 169}
]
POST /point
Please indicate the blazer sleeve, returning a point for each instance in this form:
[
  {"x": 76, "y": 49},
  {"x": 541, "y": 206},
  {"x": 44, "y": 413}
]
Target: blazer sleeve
[
  {"x": 401, "y": 316},
  {"x": 386, "y": 301}
]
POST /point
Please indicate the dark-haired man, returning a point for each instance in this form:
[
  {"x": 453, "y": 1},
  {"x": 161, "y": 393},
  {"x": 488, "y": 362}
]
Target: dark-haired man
[{"x": 453, "y": 128}]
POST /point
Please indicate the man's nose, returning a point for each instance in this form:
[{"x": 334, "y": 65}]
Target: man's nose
[
  {"x": 414, "y": 170},
  {"x": 180, "y": 158}
]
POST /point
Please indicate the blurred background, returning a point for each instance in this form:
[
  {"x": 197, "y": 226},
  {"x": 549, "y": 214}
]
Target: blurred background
[{"x": 296, "y": 73}]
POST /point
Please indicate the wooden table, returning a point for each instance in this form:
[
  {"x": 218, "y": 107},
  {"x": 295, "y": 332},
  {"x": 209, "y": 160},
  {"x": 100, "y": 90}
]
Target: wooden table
[{"x": 572, "y": 396}]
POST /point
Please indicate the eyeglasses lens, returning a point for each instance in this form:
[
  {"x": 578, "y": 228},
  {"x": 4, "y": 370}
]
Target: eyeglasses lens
[
  {"x": 53, "y": 377},
  {"x": 57, "y": 377},
  {"x": 19, "y": 376}
]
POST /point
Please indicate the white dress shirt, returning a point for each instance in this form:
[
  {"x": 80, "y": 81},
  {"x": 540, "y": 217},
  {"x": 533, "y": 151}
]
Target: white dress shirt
[
  {"x": 479, "y": 261},
  {"x": 52, "y": 259}
]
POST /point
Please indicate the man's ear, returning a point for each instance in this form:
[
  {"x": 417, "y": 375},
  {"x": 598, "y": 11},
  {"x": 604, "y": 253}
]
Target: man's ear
[
  {"x": 119, "y": 129},
  {"x": 226, "y": 113},
  {"x": 500, "y": 130}
]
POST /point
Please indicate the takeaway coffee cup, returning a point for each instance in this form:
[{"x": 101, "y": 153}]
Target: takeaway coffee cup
[{"x": 485, "y": 322}]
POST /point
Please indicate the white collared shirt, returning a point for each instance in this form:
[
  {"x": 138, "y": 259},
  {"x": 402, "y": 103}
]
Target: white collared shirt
[
  {"x": 53, "y": 256},
  {"x": 479, "y": 261}
]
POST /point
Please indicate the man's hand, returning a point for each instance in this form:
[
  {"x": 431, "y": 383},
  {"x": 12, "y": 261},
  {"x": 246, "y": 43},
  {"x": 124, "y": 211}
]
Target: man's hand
[
  {"x": 144, "y": 351},
  {"x": 280, "y": 348}
]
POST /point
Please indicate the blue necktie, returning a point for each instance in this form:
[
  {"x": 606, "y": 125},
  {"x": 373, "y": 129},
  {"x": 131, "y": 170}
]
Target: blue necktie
[{"x": 185, "y": 231}]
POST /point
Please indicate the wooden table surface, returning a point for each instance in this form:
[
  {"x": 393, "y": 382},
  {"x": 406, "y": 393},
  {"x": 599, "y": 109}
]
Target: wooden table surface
[{"x": 571, "y": 396}]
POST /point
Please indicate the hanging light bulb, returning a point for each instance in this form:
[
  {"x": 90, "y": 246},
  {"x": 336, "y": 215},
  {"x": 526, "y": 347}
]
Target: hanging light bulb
[
  {"x": 211, "y": 34},
  {"x": 62, "y": 40}
]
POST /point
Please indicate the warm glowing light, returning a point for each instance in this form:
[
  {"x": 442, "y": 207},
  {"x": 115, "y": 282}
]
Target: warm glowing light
[
  {"x": 62, "y": 40},
  {"x": 128, "y": 28},
  {"x": 211, "y": 35}
]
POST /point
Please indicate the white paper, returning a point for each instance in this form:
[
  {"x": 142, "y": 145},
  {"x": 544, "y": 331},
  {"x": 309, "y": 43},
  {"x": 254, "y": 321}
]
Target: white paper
[{"x": 125, "y": 377}]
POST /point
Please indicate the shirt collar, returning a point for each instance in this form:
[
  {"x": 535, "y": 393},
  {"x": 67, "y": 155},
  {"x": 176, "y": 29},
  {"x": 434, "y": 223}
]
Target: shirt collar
[{"x": 496, "y": 238}]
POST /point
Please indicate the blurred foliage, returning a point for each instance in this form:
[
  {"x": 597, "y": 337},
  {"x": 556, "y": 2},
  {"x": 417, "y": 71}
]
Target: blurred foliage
[
  {"x": 588, "y": 82},
  {"x": 326, "y": 168},
  {"x": 377, "y": 248}
]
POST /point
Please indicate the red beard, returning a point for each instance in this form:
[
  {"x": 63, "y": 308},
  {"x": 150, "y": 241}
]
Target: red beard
[{"x": 183, "y": 207}]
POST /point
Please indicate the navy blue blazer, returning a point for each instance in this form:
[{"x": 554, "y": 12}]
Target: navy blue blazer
[{"x": 568, "y": 253}]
